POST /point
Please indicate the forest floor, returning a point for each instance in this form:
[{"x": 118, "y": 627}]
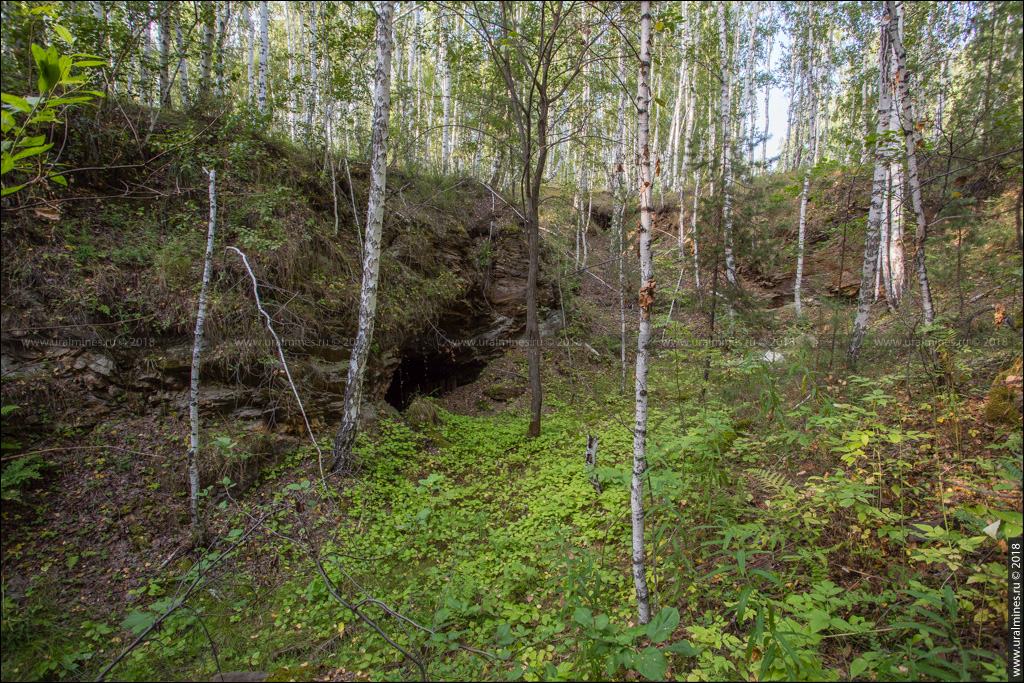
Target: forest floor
[{"x": 805, "y": 522}]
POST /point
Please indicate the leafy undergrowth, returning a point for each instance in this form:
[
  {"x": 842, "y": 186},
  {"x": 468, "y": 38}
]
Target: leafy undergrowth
[{"x": 835, "y": 537}]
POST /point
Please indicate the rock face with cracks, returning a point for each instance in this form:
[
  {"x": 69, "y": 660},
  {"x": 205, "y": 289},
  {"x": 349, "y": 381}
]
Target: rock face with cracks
[{"x": 95, "y": 375}]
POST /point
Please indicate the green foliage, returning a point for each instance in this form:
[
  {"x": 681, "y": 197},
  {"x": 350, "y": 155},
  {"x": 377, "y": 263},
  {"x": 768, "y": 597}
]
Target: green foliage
[
  {"x": 18, "y": 470},
  {"x": 21, "y": 151}
]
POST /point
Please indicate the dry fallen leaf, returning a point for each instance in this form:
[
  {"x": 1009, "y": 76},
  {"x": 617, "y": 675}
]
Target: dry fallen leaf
[
  {"x": 1000, "y": 315},
  {"x": 646, "y": 297},
  {"x": 50, "y": 214}
]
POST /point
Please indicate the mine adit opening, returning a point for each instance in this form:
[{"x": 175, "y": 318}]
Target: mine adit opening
[{"x": 433, "y": 372}]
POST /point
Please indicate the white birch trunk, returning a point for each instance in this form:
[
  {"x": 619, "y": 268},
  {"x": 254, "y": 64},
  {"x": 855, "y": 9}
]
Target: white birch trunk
[
  {"x": 165, "y": 56},
  {"x": 144, "y": 63},
  {"x": 730, "y": 263},
  {"x": 209, "y": 34},
  {"x": 223, "y": 23},
  {"x": 875, "y": 212},
  {"x": 748, "y": 83},
  {"x": 636, "y": 497},
  {"x": 883, "y": 272},
  {"x": 618, "y": 207},
  {"x": 693, "y": 235},
  {"x": 802, "y": 229},
  {"x": 193, "y": 402},
  {"x": 371, "y": 257},
  {"x": 446, "y": 98},
  {"x": 261, "y": 92},
  {"x": 292, "y": 98},
  {"x": 314, "y": 74},
  {"x": 250, "y": 82},
  {"x": 906, "y": 118},
  {"x": 675, "y": 128},
  {"x": 182, "y": 66}
]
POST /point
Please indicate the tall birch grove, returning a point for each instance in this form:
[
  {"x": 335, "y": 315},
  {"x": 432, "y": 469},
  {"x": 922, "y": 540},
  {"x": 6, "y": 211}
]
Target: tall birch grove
[{"x": 333, "y": 344}]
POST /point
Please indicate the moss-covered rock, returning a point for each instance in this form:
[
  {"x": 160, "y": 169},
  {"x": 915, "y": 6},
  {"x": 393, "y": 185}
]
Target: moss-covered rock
[
  {"x": 1004, "y": 397},
  {"x": 422, "y": 412},
  {"x": 502, "y": 392}
]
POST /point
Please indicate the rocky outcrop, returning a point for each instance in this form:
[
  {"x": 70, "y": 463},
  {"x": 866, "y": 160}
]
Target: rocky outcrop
[{"x": 89, "y": 376}]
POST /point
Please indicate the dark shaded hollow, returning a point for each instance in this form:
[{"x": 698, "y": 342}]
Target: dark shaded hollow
[{"x": 432, "y": 373}]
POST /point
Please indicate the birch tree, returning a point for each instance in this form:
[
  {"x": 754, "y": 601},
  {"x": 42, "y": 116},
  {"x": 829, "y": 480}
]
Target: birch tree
[
  {"x": 891, "y": 248},
  {"x": 537, "y": 72},
  {"x": 261, "y": 93},
  {"x": 749, "y": 110},
  {"x": 250, "y": 84},
  {"x": 446, "y": 96},
  {"x": 878, "y": 191},
  {"x": 645, "y": 303},
  {"x": 907, "y": 120},
  {"x": 197, "y": 346},
  {"x": 179, "y": 38},
  {"x": 164, "y": 23},
  {"x": 345, "y": 436},
  {"x": 802, "y": 229},
  {"x": 209, "y": 15},
  {"x": 725, "y": 105},
  {"x": 618, "y": 205}
]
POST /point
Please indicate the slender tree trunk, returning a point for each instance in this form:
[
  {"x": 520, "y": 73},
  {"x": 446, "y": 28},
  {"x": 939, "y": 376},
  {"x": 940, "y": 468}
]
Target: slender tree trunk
[
  {"x": 786, "y": 152},
  {"x": 892, "y": 249},
  {"x": 913, "y": 179},
  {"x": 693, "y": 233},
  {"x": 618, "y": 207},
  {"x": 645, "y": 304},
  {"x": 730, "y": 263},
  {"x": 940, "y": 106},
  {"x": 884, "y": 246},
  {"x": 209, "y": 11},
  {"x": 314, "y": 75},
  {"x": 250, "y": 82},
  {"x": 1020, "y": 205},
  {"x": 193, "y": 402},
  {"x": 802, "y": 228},
  {"x": 222, "y": 36},
  {"x": 182, "y": 64},
  {"x": 165, "y": 55},
  {"x": 293, "y": 100},
  {"x": 446, "y": 98},
  {"x": 145, "y": 61},
  {"x": 871, "y": 239},
  {"x": 748, "y": 84},
  {"x": 345, "y": 436},
  {"x": 675, "y": 128},
  {"x": 261, "y": 93},
  {"x": 767, "y": 95}
]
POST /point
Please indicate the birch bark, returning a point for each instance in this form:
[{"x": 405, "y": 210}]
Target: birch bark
[
  {"x": 250, "y": 83},
  {"x": 644, "y": 338},
  {"x": 618, "y": 202},
  {"x": 182, "y": 63},
  {"x": 209, "y": 11},
  {"x": 802, "y": 230},
  {"x": 748, "y": 82},
  {"x": 193, "y": 402},
  {"x": 726, "y": 104},
  {"x": 872, "y": 237},
  {"x": 446, "y": 98},
  {"x": 164, "y": 22},
  {"x": 907, "y": 120},
  {"x": 371, "y": 259},
  {"x": 261, "y": 93}
]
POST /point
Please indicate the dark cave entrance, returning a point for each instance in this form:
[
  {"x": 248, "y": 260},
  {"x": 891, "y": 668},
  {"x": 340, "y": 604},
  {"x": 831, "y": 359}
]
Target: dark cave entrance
[{"x": 432, "y": 373}]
